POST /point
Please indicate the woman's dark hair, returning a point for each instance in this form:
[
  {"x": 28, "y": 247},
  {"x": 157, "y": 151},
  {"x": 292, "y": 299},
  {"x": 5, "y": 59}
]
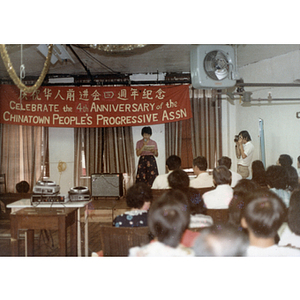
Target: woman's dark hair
[
  {"x": 147, "y": 129},
  {"x": 285, "y": 160},
  {"x": 179, "y": 180},
  {"x": 293, "y": 218},
  {"x": 276, "y": 177},
  {"x": 259, "y": 173},
  {"x": 245, "y": 185},
  {"x": 169, "y": 217},
  {"x": 293, "y": 179},
  {"x": 138, "y": 194}
]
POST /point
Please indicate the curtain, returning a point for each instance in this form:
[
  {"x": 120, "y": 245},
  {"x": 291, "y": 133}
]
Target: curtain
[
  {"x": 206, "y": 125},
  {"x": 205, "y": 138},
  {"x": 103, "y": 150},
  {"x": 24, "y": 156}
]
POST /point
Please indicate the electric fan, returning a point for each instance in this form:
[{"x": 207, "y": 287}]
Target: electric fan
[{"x": 212, "y": 66}]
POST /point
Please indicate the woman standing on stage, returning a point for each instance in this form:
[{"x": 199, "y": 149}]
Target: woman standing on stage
[{"x": 147, "y": 150}]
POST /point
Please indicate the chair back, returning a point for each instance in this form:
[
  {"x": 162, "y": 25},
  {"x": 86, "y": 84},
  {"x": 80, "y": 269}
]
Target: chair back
[
  {"x": 219, "y": 216},
  {"x": 156, "y": 193},
  {"x": 116, "y": 241}
]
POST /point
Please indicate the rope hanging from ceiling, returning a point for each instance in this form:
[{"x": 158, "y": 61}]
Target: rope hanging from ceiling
[{"x": 12, "y": 73}]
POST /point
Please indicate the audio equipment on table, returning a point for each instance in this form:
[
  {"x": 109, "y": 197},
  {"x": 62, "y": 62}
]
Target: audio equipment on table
[{"x": 79, "y": 193}]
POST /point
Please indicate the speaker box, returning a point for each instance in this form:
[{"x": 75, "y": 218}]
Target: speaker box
[{"x": 107, "y": 185}]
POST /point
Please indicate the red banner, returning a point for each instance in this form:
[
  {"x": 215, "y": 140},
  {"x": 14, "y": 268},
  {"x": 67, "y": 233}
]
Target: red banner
[{"x": 61, "y": 106}]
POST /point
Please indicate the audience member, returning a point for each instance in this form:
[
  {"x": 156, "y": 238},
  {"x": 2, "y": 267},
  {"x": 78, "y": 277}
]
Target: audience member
[
  {"x": 285, "y": 160},
  {"x": 173, "y": 162},
  {"x": 203, "y": 178},
  {"x": 227, "y": 241},
  {"x": 290, "y": 231},
  {"x": 292, "y": 178},
  {"x": 238, "y": 201},
  {"x": 138, "y": 198},
  {"x": 179, "y": 179},
  {"x": 277, "y": 182},
  {"x": 168, "y": 218},
  {"x": 235, "y": 177},
  {"x": 259, "y": 173},
  {"x": 262, "y": 217},
  {"x": 220, "y": 197}
]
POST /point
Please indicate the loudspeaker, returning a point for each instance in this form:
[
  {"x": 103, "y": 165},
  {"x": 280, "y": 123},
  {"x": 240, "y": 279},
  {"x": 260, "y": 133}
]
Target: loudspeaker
[{"x": 107, "y": 185}]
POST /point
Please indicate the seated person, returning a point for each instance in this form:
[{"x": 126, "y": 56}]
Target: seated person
[
  {"x": 168, "y": 218},
  {"x": 235, "y": 177},
  {"x": 220, "y": 197},
  {"x": 173, "y": 162},
  {"x": 262, "y": 217},
  {"x": 203, "y": 178},
  {"x": 259, "y": 173},
  {"x": 179, "y": 179},
  {"x": 285, "y": 160},
  {"x": 277, "y": 182},
  {"x": 227, "y": 241},
  {"x": 290, "y": 231},
  {"x": 139, "y": 198},
  {"x": 238, "y": 201}
]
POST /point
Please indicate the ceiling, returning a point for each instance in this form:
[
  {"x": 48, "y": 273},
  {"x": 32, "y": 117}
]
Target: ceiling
[{"x": 162, "y": 58}]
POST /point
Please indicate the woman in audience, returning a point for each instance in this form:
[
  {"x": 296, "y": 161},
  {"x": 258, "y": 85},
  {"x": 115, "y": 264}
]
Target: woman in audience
[
  {"x": 292, "y": 178},
  {"x": 239, "y": 201},
  {"x": 179, "y": 179},
  {"x": 138, "y": 198},
  {"x": 277, "y": 182},
  {"x": 290, "y": 232},
  {"x": 168, "y": 218},
  {"x": 259, "y": 173}
]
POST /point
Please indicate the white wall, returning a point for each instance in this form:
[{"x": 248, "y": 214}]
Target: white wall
[{"x": 281, "y": 127}]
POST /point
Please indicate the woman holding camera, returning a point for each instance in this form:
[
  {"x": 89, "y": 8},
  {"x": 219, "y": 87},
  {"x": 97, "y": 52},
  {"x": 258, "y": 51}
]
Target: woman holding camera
[{"x": 244, "y": 150}]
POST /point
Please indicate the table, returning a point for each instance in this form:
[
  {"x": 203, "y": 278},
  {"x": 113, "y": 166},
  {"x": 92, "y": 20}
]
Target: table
[
  {"x": 44, "y": 218},
  {"x": 26, "y": 203}
]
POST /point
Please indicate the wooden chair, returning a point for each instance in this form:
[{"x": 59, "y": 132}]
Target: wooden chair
[
  {"x": 204, "y": 190},
  {"x": 156, "y": 193},
  {"x": 219, "y": 216},
  {"x": 116, "y": 241}
]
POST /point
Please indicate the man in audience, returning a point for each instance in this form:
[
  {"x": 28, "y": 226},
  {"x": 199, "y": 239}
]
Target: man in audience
[
  {"x": 228, "y": 241},
  {"x": 173, "y": 162},
  {"x": 262, "y": 217},
  {"x": 203, "y": 179},
  {"x": 220, "y": 197},
  {"x": 235, "y": 177}
]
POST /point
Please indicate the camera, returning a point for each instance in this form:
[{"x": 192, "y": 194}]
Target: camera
[{"x": 236, "y": 138}]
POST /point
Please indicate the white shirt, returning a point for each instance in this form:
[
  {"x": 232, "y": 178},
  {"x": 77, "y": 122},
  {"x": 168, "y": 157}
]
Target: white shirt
[
  {"x": 203, "y": 180},
  {"x": 199, "y": 221},
  {"x": 287, "y": 237},
  {"x": 235, "y": 177},
  {"x": 219, "y": 198},
  {"x": 248, "y": 150},
  {"x": 274, "y": 251},
  {"x": 161, "y": 181}
]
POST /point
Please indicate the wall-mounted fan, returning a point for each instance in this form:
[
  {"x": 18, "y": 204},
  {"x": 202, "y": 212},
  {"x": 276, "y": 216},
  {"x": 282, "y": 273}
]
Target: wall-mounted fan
[{"x": 212, "y": 66}]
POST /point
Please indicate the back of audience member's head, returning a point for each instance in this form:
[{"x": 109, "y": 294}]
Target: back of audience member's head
[
  {"x": 200, "y": 162},
  {"x": 221, "y": 175},
  {"x": 292, "y": 178},
  {"x": 178, "y": 179},
  {"x": 293, "y": 218},
  {"x": 225, "y": 161},
  {"x": 169, "y": 217},
  {"x": 239, "y": 200},
  {"x": 276, "y": 177},
  {"x": 259, "y": 172},
  {"x": 138, "y": 194},
  {"x": 285, "y": 160},
  {"x": 264, "y": 213},
  {"x": 173, "y": 162},
  {"x": 227, "y": 241}
]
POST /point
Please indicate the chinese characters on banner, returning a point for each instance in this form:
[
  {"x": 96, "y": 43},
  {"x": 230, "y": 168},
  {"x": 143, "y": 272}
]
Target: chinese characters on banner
[{"x": 57, "y": 106}]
